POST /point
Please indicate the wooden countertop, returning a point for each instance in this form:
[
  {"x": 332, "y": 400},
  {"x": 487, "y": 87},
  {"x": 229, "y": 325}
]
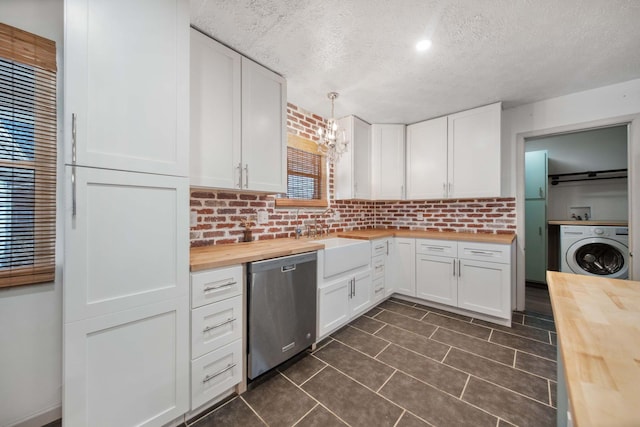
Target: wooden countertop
[
  {"x": 207, "y": 257},
  {"x": 590, "y": 222},
  {"x": 598, "y": 324},
  {"x": 373, "y": 234}
]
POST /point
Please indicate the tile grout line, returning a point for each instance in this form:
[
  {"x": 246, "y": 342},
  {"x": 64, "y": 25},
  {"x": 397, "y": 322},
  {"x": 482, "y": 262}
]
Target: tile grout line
[
  {"x": 378, "y": 354},
  {"x": 400, "y": 417},
  {"x": 515, "y": 357},
  {"x": 308, "y": 379},
  {"x": 549, "y": 390},
  {"x": 465, "y": 386},
  {"x": 254, "y": 411},
  {"x": 386, "y": 381},
  {"x": 446, "y": 354},
  {"x": 307, "y": 413}
]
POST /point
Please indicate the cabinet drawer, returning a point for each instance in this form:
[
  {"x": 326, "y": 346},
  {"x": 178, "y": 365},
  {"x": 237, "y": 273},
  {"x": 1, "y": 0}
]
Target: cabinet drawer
[
  {"x": 485, "y": 251},
  {"x": 379, "y": 247},
  {"x": 437, "y": 247},
  {"x": 378, "y": 266},
  {"x": 215, "y": 372},
  {"x": 215, "y": 325},
  {"x": 215, "y": 285},
  {"x": 378, "y": 289}
]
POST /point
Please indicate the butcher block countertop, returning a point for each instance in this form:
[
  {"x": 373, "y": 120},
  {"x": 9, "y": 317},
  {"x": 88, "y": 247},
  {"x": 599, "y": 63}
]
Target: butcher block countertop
[
  {"x": 590, "y": 222},
  {"x": 207, "y": 257},
  {"x": 467, "y": 237},
  {"x": 598, "y": 324}
]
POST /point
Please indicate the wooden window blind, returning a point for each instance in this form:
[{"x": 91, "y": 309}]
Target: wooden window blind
[
  {"x": 27, "y": 157},
  {"x": 306, "y": 174}
]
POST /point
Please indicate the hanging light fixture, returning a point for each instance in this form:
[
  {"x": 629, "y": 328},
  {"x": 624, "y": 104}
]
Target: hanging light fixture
[{"x": 332, "y": 141}]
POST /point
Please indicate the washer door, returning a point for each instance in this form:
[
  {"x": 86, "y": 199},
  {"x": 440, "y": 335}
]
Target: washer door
[{"x": 598, "y": 256}]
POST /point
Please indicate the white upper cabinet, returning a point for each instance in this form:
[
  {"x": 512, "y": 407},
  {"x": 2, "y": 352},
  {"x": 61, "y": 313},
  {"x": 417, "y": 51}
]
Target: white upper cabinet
[
  {"x": 474, "y": 152},
  {"x": 238, "y": 120},
  {"x": 427, "y": 159},
  {"x": 457, "y": 156},
  {"x": 352, "y": 172},
  {"x": 387, "y": 166},
  {"x": 215, "y": 114},
  {"x": 126, "y": 85},
  {"x": 264, "y": 106}
]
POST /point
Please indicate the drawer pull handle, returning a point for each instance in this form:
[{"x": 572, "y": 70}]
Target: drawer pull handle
[
  {"x": 213, "y": 288},
  {"x": 481, "y": 252},
  {"x": 220, "y": 372},
  {"x": 209, "y": 328},
  {"x": 435, "y": 248}
]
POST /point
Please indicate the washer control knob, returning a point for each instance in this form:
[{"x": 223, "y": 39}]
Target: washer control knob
[{"x": 598, "y": 231}]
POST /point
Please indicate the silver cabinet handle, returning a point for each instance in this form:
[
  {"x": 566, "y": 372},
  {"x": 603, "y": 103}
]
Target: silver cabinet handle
[
  {"x": 387, "y": 247},
  {"x": 246, "y": 175},
  {"x": 73, "y": 138},
  {"x": 73, "y": 192},
  {"x": 481, "y": 252},
  {"x": 353, "y": 281},
  {"x": 220, "y": 372},
  {"x": 225, "y": 285},
  {"x": 239, "y": 167},
  {"x": 444, "y": 188},
  {"x": 210, "y": 328},
  {"x": 454, "y": 267},
  {"x": 435, "y": 248},
  {"x": 459, "y": 268}
]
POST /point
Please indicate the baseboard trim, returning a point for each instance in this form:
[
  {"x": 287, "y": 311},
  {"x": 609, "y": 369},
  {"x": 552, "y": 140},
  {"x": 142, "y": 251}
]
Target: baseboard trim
[{"x": 41, "y": 419}]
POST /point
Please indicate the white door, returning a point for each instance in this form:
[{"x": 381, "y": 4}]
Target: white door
[
  {"x": 333, "y": 306},
  {"x": 405, "y": 267},
  {"x": 388, "y": 162},
  {"x": 128, "y": 368},
  {"x": 474, "y": 152},
  {"x": 485, "y": 287},
  {"x": 127, "y": 84},
  {"x": 264, "y": 145},
  {"x": 427, "y": 159},
  {"x": 361, "y": 293},
  {"x": 127, "y": 244},
  {"x": 436, "y": 279},
  {"x": 362, "y": 160},
  {"x": 215, "y": 114}
]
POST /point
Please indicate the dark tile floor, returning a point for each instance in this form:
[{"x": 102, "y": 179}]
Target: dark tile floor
[{"x": 403, "y": 364}]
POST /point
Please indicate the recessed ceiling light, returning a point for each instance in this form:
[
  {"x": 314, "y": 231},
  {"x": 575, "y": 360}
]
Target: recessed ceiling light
[{"x": 423, "y": 45}]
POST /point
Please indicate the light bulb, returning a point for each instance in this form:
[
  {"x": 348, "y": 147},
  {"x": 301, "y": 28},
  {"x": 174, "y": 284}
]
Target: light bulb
[{"x": 423, "y": 45}]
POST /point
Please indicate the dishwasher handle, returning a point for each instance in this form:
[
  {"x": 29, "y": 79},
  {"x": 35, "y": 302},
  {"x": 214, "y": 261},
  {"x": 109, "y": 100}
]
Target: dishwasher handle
[{"x": 287, "y": 268}]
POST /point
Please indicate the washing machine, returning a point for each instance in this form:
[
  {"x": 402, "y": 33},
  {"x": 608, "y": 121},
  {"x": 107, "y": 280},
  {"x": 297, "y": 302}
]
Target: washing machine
[{"x": 595, "y": 250}]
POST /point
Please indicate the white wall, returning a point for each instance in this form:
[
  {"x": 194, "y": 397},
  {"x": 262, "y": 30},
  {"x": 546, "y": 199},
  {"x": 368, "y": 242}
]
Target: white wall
[
  {"x": 31, "y": 316},
  {"x": 598, "y": 107},
  {"x": 598, "y": 149}
]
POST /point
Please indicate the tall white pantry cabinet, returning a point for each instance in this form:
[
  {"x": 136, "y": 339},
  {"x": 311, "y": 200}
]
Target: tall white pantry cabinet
[{"x": 126, "y": 190}]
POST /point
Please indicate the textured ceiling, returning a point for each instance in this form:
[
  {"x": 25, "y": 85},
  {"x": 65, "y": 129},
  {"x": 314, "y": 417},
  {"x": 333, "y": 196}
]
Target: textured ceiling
[{"x": 515, "y": 51}]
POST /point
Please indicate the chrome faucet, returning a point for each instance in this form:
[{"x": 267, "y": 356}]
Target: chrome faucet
[{"x": 298, "y": 229}]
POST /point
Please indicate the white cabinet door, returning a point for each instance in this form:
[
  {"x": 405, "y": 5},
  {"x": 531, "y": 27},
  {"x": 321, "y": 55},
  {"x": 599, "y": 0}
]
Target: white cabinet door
[
  {"x": 216, "y": 325},
  {"x": 128, "y": 368},
  {"x": 128, "y": 243},
  {"x": 215, "y": 372},
  {"x": 362, "y": 160},
  {"x": 387, "y": 172},
  {"x": 405, "y": 267},
  {"x": 474, "y": 152},
  {"x": 427, "y": 159},
  {"x": 127, "y": 84},
  {"x": 390, "y": 271},
  {"x": 361, "y": 293},
  {"x": 264, "y": 145},
  {"x": 333, "y": 306},
  {"x": 485, "y": 287},
  {"x": 215, "y": 114},
  {"x": 436, "y": 279},
  {"x": 352, "y": 172}
]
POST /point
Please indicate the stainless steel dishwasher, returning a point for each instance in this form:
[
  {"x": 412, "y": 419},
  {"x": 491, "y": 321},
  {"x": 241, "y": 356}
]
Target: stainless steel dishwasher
[{"x": 282, "y": 310}]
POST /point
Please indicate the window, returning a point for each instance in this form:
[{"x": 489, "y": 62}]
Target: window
[
  {"x": 27, "y": 157},
  {"x": 306, "y": 175}
]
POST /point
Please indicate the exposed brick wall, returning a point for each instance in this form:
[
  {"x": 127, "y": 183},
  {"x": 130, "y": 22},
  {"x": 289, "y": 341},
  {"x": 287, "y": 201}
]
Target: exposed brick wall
[
  {"x": 464, "y": 216},
  {"x": 220, "y": 213}
]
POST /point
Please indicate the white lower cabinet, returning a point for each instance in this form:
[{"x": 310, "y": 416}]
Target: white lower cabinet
[
  {"x": 217, "y": 321},
  {"x": 405, "y": 266},
  {"x": 215, "y": 372},
  {"x": 470, "y": 275},
  {"x": 343, "y": 299}
]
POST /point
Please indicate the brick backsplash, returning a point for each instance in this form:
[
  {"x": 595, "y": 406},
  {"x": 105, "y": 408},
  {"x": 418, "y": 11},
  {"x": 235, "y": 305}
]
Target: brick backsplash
[{"x": 221, "y": 212}]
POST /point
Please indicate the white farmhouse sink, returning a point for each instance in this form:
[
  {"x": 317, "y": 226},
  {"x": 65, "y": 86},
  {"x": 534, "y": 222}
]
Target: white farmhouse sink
[{"x": 341, "y": 255}]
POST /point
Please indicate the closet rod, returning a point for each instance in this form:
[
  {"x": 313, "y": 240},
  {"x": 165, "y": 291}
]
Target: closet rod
[
  {"x": 589, "y": 173},
  {"x": 555, "y": 181}
]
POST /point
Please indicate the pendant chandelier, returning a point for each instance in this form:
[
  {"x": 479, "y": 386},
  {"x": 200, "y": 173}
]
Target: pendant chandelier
[{"x": 332, "y": 141}]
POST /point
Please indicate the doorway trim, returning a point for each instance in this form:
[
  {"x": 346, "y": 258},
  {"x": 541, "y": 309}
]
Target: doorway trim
[{"x": 633, "y": 163}]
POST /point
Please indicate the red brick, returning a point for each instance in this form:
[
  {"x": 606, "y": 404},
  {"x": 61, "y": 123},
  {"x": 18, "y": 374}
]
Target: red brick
[{"x": 228, "y": 196}]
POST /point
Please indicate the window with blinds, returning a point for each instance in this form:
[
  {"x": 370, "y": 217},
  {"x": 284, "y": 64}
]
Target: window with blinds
[
  {"x": 27, "y": 157},
  {"x": 306, "y": 174}
]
